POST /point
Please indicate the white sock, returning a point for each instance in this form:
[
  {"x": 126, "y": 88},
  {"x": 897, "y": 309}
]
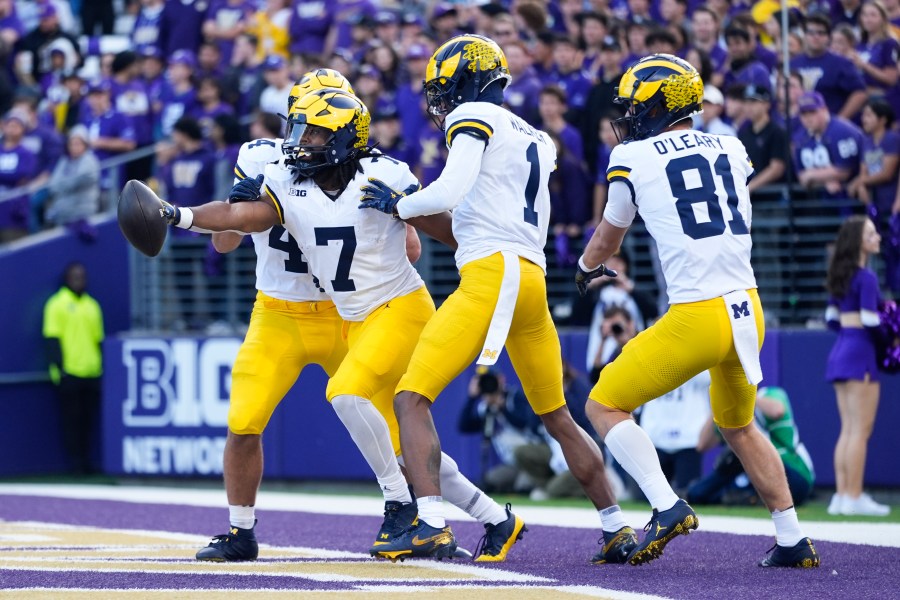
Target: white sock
[
  {"x": 787, "y": 527},
  {"x": 631, "y": 446},
  {"x": 370, "y": 432},
  {"x": 612, "y": 518},
  {"x": 241, "y": 516},
  {"x": 431, "y": 510},
  {"x": 462, "y": 493}
]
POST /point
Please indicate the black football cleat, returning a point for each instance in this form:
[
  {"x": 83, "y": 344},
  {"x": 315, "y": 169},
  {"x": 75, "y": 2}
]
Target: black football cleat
[
  {"x": 236, "y": 545},
  {"x": 616, "y": 546},
  {"x": 803, "y": 555},
  {"x": 663, "y": 528},
  {"x": 397, "y": 517},
  {"x": 419, "y": 541},
  {"x": 498, "y": 539}
]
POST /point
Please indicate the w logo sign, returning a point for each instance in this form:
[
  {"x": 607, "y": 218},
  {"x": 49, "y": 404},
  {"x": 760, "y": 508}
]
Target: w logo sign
[{"x": 740, "y": 311}]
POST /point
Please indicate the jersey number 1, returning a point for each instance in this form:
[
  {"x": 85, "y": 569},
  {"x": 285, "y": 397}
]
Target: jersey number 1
[
  {"x": 531, "y": 187},
  {"x": 685, "y": 198}
]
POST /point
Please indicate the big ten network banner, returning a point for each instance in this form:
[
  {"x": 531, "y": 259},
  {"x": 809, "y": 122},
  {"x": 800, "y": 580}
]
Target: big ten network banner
[{"x": 166, "y": 405}]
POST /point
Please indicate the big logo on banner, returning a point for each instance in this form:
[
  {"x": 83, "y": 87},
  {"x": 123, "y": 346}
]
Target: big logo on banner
[{"x": 178, "y": 389}]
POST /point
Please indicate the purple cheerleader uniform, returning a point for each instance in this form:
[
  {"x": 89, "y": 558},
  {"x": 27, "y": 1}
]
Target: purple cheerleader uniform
[{"x": 853, "y": 354}]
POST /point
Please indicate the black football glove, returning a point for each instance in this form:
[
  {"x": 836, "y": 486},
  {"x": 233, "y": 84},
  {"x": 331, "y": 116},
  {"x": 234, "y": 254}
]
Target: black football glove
[
  {"x": 247, "y": 190},
  {"x": 170, "y": 213},
  {"x": 584, "y": 276}
]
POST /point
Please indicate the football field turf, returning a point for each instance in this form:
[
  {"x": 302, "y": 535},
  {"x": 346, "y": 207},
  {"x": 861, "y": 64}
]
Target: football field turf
[{"x": 98, "y": 542}]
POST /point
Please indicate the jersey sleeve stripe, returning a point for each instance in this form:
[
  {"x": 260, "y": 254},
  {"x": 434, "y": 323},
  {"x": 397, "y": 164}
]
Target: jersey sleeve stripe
[
  {"x": 277, "y": 203},
  {"x": 474, "y": 127},
  {"x": 239, "y": 172},
  {"x": 617, "y": 171}
]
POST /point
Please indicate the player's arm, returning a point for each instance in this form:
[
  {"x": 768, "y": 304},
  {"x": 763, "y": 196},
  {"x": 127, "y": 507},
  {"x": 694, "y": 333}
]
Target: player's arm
[
  {"x": 246, "y": 217},
  {"x": 413, "y": 244},
  {"x": 226, "y": 241},
  {"x": 438, "y": 227}
]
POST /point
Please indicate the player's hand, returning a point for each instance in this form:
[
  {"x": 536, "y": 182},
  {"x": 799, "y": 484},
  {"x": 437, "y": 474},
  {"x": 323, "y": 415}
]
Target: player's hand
[
  {"x": 170, "y": 213},
  {"x": 381, "y": 197},
  {"x": 246, "y": 190},
  {"x": 583, "y": 275}
]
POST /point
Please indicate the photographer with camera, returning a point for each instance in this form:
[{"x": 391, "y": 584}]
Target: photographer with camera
[
  {"x": 616, "y": 328},
  {"x": 503, "y": 417}
]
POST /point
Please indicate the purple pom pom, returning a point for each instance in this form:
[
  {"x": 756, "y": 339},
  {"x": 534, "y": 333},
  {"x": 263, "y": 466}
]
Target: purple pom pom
[{"x": 889, "y": 349}]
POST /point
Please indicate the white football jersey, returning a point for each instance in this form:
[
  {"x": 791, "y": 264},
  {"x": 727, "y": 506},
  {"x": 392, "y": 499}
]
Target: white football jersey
[
  {"x": 508, "y": 208},
  {"x": 281, "y": 269},
  {"x": 690, "y": 189},
  {"x": 358, "y": 255}
]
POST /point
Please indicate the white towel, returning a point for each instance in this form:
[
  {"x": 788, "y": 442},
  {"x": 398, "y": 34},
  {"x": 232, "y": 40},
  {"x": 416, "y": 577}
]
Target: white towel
[
  {"x": 503, "y": 312},
  {"x": 743, "y": 331}
]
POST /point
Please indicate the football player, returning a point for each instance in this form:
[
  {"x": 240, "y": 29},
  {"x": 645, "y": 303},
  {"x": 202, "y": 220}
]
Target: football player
[
  {"x": 313, "y": 192},
  {"x": 496, "y": 182},
  {"x": 691, "y": 190}
]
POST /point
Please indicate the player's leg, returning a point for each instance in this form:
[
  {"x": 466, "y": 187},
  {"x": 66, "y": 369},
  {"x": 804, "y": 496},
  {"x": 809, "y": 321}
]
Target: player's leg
[
  {"x": 535, "y": 353},
  {"x": 279, "y": 342},
  {"x": 448, "y": 344},
  {"x": 688, "y": 339}
]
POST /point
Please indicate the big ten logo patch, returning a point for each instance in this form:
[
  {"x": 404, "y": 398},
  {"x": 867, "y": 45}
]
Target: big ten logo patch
[{"x": 177, "y": 383}]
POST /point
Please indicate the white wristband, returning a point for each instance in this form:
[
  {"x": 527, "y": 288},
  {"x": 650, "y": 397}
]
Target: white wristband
[
  {"x": 583, "y": 266},
  {"x": 186, "y": 219}
]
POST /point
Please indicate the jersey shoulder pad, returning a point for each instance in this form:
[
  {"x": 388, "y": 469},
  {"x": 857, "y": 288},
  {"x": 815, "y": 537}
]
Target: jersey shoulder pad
[
  {"x": 254, "y": 155},
  {"x": 621, "y": 163},
  {"x": 394, "y": 173},
  {"x": 473, "y": 118}
]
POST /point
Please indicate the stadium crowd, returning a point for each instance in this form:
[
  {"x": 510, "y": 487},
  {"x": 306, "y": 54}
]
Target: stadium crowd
[{"x": 181, "y": 79}]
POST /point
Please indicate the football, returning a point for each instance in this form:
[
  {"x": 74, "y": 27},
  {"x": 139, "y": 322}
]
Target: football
[{"x": 139, "y": 218}]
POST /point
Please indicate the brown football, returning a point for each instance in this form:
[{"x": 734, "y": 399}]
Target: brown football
[{"x": 139, "y": 218}]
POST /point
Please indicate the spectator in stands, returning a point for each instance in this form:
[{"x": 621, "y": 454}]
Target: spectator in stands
[
  {"x": 734, "y": 106},
  {"x": 73, "y": 332},
  {"x": 33, "y": 50},
  {"x": 876, "y": 184},
  {"x": 844, "y": 41},
  {"x": 189, "y": 177},
  {"x": 18, "y": 166},
  {"x": 110, "y": 131},
  {"x": 542, "y": 54},
  {"x": 387, "y": 27},
  {"x": 878, "y": 52},
  {"x": 369, "y": 87},
  {"x": 700, "y": 61},
  {"x": 705, "y": 36},
  {"x": 503, "y": 417},
  {"x": 744, "y": 65},
  {"x": 444, "y": 21},
  {"x": 522, "y": 93},
  {"x": 636, "y": 38},
  {"x": 786, "y": 108},
  {"x": 243, "y": 81},
  {"x": 131, "y": 98},
  {"x": 827, "y": 148},
  {"x": 570, "y": 201},
  {"x": 728, "y": 484},
  {"x": 615, "y": 330},
  {"x": 594, "y": 30},
  {"x": 224, "y": 21},
  {"x": 766, "y": 141},
  {"x": 177, "y": 97},
  {"x": 278, "y": 85},
  {"x": 834, "y": 77},
  {"x": 97, "y": 15},
  {"x": 662, "y": 41},
  {"x": 385, "y": 60},
  {"x": 567, "y": 60},
  {"x": 152, "y": 75},
  {"x": 145, "y": 33},
  {"x": 608, "y": 141},
  {"x": 65, "y": 113},
  {"x": 544, "y": 462},
  {"x": 209, "y": 62},
  {"x": 180, "y": 26},
  {"x": 387, "y": 131},
  {"x": 599, "y": 104},
  {"x": 210, "y": 104},
  {"x": 74, "y": 186},
  {"x": 552, "y": 107},
  {"x": 227, "y": 137},
  {"x": 710, "y": 120},
  {"x": 674, "y": 13},
  {"x": 674, "y": 422},
  {"x": 310, "y": 22},
  {"x": 852, "y": 366},
  {"x": 40, "y": 137}
]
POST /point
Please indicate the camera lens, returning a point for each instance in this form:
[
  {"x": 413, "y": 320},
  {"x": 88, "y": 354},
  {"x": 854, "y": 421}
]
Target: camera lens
[
  {"x": 617, "y": 329},
  {"x": 488, "y": 383}
]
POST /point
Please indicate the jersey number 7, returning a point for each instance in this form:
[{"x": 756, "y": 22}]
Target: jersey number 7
[{"x": 685, "y": 198}]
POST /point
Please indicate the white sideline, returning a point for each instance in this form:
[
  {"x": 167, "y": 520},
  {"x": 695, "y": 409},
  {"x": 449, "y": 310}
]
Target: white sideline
[{"x": 870, "y": 533}]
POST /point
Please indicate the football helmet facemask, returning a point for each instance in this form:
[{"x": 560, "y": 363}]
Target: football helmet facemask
[
  {"x": 460, "y": 70},
  {"x": 657, "y": 91},
  {"x": 316, "y": 80},
  {"x": 326, "y": 127}
]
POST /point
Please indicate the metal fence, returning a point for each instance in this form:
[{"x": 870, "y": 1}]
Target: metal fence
[{"x": 189, "y": 287}]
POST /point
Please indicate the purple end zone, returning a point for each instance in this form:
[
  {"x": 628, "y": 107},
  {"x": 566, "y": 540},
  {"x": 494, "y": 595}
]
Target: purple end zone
[{"x": 702, "y": 565}]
